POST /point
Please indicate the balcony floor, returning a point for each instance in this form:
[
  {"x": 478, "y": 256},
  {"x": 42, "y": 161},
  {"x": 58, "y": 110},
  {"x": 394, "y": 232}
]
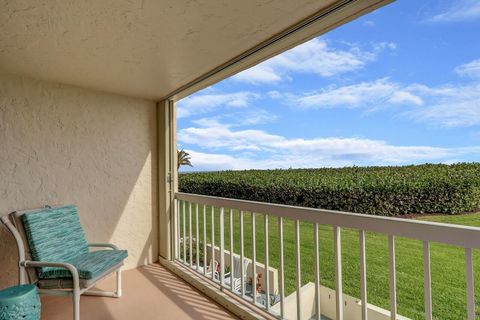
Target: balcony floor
[{"x": 149, "y": 292}]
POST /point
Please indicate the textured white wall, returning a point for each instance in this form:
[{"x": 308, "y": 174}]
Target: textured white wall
[{"x": 62, "y": 145}]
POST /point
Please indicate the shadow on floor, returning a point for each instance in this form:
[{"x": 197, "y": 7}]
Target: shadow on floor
[{"x": 150, "y": 292}]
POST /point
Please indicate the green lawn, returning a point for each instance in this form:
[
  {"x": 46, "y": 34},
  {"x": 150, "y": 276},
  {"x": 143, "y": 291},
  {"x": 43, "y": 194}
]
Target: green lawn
[{"x": 447, "y": 262}]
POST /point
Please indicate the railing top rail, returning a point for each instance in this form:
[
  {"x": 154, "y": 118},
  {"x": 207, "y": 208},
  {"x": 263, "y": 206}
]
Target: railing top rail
[{"x": 457, "y": 235}]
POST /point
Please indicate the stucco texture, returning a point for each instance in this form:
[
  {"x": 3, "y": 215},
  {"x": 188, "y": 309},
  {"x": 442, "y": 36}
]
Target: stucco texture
[
  {"x": 66, "y": 145},
  {"x": 136, "y": 47}
]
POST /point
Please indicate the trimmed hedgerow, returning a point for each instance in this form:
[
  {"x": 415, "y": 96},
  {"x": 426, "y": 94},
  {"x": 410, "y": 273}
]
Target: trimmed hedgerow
[{"x": 387, "y": 191}]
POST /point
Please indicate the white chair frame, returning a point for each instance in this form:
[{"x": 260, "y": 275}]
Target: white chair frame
[{"x": 75, "y": 292}]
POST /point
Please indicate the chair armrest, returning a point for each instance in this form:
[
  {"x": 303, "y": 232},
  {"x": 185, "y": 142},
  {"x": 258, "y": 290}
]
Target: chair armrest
[
  {"x": 68, "y": 266},
  {"x": 103, "y": 245},
  {"x": 36, "y": 264}
]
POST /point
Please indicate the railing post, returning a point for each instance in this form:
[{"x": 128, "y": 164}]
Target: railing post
[
  {"x": 205, "y": 256},
  {"x": 470, "y": 284},
  {"x": 267, "y": 275},
  {"x": 184, "y": 240},
  {"x": 281, "y": 271},
  {"x": 338, "y": 272},
  {"x": 427, "y": 281},
  {"x": 222, "y": 247},
  {"x": 242, "y": 255},
  {"x": 254, "y": 262},
  {"x": 363, "y": 274},
  {"x": 197, "y": 239},
  {"x": 212, "y": 263},
  {"x": 177, "y": 234},
  {"x": 232, "y": 271},
  {"x": 190, "y": 253},
  {"x": 317, "y": 272},
  {"x": 393, "y": 278},
  {"x": 298, "y": 269}
]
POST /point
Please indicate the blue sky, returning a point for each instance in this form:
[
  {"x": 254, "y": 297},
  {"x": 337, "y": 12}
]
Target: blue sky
[{"x": 398, "y": 86}]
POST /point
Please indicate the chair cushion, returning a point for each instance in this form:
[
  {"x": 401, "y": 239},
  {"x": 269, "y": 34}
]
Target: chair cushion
[
  {"x": 54, "y": 235},
  {"x": 67, "y": 283},
  {"x": 89, "y": 265}
]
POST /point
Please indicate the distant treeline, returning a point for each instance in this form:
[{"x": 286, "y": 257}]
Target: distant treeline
[{"x": 386, "y": 191}]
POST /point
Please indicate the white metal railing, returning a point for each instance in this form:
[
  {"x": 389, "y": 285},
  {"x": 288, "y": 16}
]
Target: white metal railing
[{"x": 461, "y": 236}]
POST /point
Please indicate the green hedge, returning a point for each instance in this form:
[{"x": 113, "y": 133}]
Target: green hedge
[{"x": 387, "y": 191}]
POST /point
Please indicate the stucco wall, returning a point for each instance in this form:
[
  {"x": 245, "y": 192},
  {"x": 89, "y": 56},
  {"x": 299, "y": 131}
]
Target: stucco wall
[{"x": 62, "y": 145}]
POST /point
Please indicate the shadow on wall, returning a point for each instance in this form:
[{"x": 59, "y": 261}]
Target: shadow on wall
[{"x": 62, "y": 145}]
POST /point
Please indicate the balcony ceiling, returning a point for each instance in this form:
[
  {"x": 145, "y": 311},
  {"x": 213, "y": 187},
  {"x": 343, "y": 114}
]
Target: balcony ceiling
[{"x": 141, "y": 48}]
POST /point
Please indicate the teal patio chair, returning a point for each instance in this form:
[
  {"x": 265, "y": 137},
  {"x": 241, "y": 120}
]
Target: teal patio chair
[{"x": 54, "y": 254}]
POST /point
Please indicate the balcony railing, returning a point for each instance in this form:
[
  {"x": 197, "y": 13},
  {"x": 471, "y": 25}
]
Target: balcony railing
[{"x": 195, "y": 247}]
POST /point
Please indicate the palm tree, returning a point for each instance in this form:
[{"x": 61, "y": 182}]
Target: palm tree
[{"x": 183, "y": 159}]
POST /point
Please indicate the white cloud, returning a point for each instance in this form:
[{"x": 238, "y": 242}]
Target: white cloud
[
  {"x": 352, "y": 96},
  {"x": 276, "y": 151},
  {"x": 216, "y": 136},
  {"x": 465, "y": 10},
  {"x": 445, "y": 106},
  {"x": 253, "y": 117},
  {"x": 371, "y": 95},
  {"x": 274, "y": 94},
  {"x": 369, "y": 23},
  {"x": 471, "y": 69},
  {"x": 404, "y": 97},
  {"x": 238, "y": 119},
  {"x": 380, "y": 46},
  {"x": 450, "y": 114},
  {"x": 262, "y": 73},
  {"x": 315, "y": 57},
  {"x": 206, "y": 122},
  {"x": 204, "y": 103},
  {"x": 448, "y": 106}
]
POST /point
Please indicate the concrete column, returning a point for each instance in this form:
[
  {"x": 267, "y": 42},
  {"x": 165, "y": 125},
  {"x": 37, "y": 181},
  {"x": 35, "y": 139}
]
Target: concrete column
[{"x": 167, "y": 176}]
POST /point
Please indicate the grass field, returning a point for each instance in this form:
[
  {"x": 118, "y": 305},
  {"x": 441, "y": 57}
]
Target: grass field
[{"x": 447, "y": 262}]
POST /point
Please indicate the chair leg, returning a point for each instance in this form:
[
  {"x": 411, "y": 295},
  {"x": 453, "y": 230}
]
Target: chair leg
[
  {"x": 118, "y": 293},
  {"x": 111, "y": 294},
  {"x": 76, "y": 305}
]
